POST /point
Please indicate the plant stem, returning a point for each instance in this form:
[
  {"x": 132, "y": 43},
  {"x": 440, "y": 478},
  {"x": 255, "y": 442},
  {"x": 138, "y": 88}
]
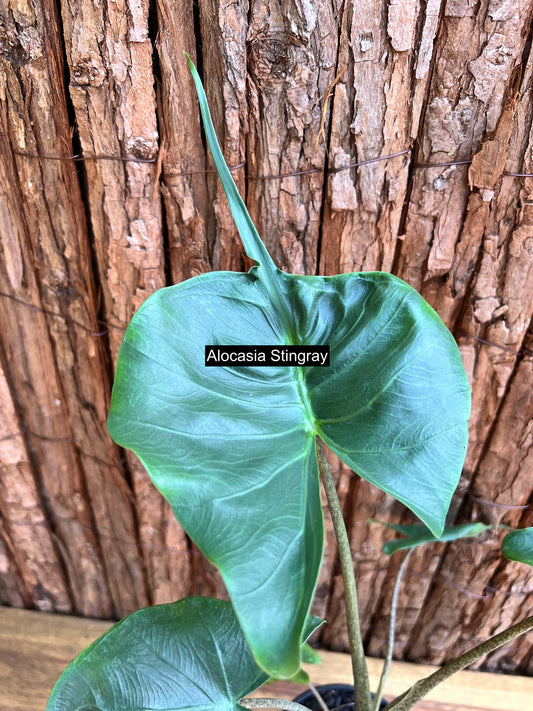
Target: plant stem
[
  {"x": 362, "y": 697},
  {"x": 409, "y": 698},
  {"x": 317, "y": 696},
  {"x": 272, "y": 704},
  {"x": 392, "y": 625}
]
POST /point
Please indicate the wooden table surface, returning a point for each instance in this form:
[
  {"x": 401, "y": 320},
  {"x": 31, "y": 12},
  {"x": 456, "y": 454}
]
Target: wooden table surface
[{"x": 35, "y": 647}]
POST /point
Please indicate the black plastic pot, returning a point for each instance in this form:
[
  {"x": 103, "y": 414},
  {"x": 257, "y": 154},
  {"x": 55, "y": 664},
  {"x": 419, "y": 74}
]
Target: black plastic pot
[{"x": 336, "y": 696}]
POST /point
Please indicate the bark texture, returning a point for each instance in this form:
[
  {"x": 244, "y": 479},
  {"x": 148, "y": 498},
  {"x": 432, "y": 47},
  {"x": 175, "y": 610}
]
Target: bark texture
[{"x": 363, "y": 135}]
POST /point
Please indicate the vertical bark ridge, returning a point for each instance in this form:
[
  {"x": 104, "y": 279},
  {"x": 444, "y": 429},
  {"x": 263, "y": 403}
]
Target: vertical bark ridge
[{"x": 28, "y": 538}]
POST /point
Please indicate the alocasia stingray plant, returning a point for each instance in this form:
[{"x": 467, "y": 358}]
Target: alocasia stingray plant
[{"x": 237, "y": 452}]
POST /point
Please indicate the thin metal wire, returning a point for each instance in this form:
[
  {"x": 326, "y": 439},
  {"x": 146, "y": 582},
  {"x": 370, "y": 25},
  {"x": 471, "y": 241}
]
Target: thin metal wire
[
  {"x": 184, "y": 173},
  {"x": 510, "y": 507},
  {"x": 47, "y": 312},
  {"x": 77, "y": 157}
]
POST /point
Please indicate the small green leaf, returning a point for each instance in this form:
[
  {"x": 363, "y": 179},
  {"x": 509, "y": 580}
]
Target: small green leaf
[
  {"x": 189, "y": 655},
  {"x": 301, "y": 677},
  {"x": 313, "y": 623},
  {"x": 310, "y": 655},
  {"x": 417, "y": 535},
  {"x": 518, "y": 545}
]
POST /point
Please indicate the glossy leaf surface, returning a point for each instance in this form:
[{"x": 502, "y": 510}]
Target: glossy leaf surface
[
  {"x": 416, "y": 535},
  {"x": 233, "y": 448},
  {"x": 518, "y": 545},
  {"x": 186, "y": 656}
]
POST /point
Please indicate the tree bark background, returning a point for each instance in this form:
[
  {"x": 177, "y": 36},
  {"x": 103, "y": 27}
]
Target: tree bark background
[{"x": 440, "y": 91}]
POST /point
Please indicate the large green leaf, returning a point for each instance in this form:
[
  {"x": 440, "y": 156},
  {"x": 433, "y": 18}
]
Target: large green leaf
[
  {"x": 518, "y": 545},
  {"x": 189, "y": 655},
  {"x": 233, "y": 448}
]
